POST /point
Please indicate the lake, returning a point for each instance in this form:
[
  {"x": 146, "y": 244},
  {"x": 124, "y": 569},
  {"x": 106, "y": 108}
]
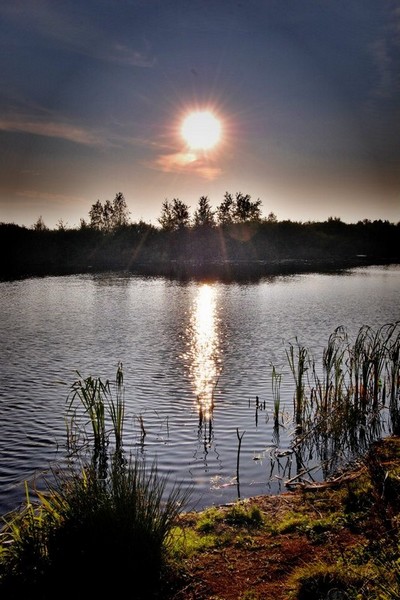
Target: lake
[{"x": 196, "y": 356}]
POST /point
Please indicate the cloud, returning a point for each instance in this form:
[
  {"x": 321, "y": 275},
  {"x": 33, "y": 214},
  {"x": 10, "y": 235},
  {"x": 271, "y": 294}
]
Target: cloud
[
  {"x": 125, "y": 54},
  {"x": 60, "y": 199},
  {"x": 187, "y": 162},
  {"x": 37, "y": 126},
  {"x": 77, "y": 31},
  {"x": 385, "y": 54},
  {"x": 383, "y": 65}
]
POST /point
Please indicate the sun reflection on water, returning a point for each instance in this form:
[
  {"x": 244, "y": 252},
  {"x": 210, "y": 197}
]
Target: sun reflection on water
[{"x": 204, "y": 350}]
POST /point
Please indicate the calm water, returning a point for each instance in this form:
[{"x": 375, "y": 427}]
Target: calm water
[{"x": 180, "y": 343}]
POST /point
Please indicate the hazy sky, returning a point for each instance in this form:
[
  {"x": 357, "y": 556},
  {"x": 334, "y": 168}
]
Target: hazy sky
[{"x": 93, "y": 94}]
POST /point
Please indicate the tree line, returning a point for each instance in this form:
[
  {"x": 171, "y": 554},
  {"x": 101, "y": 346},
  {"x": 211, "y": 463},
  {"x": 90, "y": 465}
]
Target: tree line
[
  {"x": 175, "y": 214},
  {"x": 233, "y": 237}
]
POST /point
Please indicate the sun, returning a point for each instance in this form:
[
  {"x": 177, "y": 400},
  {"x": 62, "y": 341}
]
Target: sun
[{"x": 201, "y": 130}]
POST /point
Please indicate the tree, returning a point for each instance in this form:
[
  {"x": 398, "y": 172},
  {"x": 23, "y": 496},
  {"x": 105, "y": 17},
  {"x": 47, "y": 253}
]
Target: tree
[
  {"x": 96, "y": 216},
  {"x": 174, "y": 215},
  {"x": 245, "y": 209},
  {"x": 40, "y": 225},
  {"x": 225, "y": 210},
  {"x": 272, "y": 218},
  {"x": 111, "y": 216},
  {"x": 180, "y": 212},
  {"x": 108, "y": 216},
  {"x": 120, "y": 211},
  {"x": 204, "y": 215},
  {"x": 61, "y": 225},
  {"x": 166, "y": 219}
]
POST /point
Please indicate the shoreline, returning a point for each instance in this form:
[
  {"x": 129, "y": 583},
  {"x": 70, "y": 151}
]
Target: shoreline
[{"x": 234, "y": 270}]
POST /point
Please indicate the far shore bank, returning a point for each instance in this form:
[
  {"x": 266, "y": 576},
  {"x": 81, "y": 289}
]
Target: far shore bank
[{"x": 202, "y": 270}]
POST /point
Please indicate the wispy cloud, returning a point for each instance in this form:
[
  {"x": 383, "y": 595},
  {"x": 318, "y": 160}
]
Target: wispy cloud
[
  {"x": 38, "y": 195},
  {"x": 77, "y": 32},
  {"x": 38, "y": 126},
  {"x": 187, "y": 162},
  {"x": 130, "y": 56},
  {"x": 385, "y": 53},
  {"x": 383, "y": 65}
]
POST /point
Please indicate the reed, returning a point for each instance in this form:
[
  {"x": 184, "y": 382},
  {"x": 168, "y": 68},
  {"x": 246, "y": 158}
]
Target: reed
[
  {"x": 98, "y": 526},
  {"x": 104, "y": 406},
  {"x": 342, "y": 406},
  {"x": 393, "y": 370},
  {"x": 240, "y": 438},
  {"x": 276, "y": 379},
  {"x": 117, "y": 407},
  {"x": 298, "y": 358}
]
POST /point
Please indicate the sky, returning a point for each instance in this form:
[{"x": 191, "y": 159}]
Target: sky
[{"x": 93, "y": 95}]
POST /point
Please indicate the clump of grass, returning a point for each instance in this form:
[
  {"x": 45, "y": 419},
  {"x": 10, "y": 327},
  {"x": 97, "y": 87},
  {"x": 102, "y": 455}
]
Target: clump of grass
[
  {"x": 97, "y": 527},
  {"x": 240, "y": 515},
  {"x": 292, "y": 522},
  {"x": 322, "y": 580},
  {"x": 208, "y": 519},
  {"x": 250, "y": 595},
  {"x": 184, "y": 543}
]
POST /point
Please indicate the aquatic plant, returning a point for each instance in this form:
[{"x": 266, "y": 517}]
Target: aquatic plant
[
  {"x": 276, "y": 379},
  {"x": 104, "y": 521},
  {"x": 347, "y": 400},
  {"x": 239, "y": 437},
  {"x": 299, "y": 360}
]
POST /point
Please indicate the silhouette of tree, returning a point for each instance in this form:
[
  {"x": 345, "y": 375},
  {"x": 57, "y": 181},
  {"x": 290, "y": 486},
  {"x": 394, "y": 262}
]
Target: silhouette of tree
[
  {"x": 180, "y": 212},
  {"x": 225, "y": 210},
  {"x": 120, "y": 211},
  {"x": 108, "y": 216},
  {"x": 204, "y": 215},
  {"x": 96, "y": 216},
  {"x": 166, "y": 219},
  {"x": 174, "y": 215},
  {"x": 245, "y": 209},
  {"x": 61, "y": 225},
  {"x": 40, "y": 225},
  {"x": 272, "y": 218}
]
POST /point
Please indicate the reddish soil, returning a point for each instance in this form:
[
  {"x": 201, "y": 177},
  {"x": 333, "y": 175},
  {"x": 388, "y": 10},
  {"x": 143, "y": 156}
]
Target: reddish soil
[{"x": 256, "y": 564}]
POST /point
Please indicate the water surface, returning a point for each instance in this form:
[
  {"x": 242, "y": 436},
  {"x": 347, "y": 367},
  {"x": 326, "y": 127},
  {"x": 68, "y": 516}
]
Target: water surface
[{"x": 195, "y": 357}]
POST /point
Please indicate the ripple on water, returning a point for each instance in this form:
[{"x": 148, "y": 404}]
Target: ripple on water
[{"x": 172, "y": 339}]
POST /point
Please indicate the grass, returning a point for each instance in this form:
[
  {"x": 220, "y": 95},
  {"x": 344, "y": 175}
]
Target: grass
[{"x": 99, "y": 526}]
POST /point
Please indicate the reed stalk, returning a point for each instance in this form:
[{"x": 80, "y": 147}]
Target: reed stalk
[
  {"x": 299, "y": 361},
  {"x": 117, "y": 408},
  {"x": 239, "y": 437},
  {"x": 276, "y": 379}
]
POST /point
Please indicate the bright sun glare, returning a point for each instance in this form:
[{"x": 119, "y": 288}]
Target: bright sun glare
[{"x": 201, "y": 130}]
